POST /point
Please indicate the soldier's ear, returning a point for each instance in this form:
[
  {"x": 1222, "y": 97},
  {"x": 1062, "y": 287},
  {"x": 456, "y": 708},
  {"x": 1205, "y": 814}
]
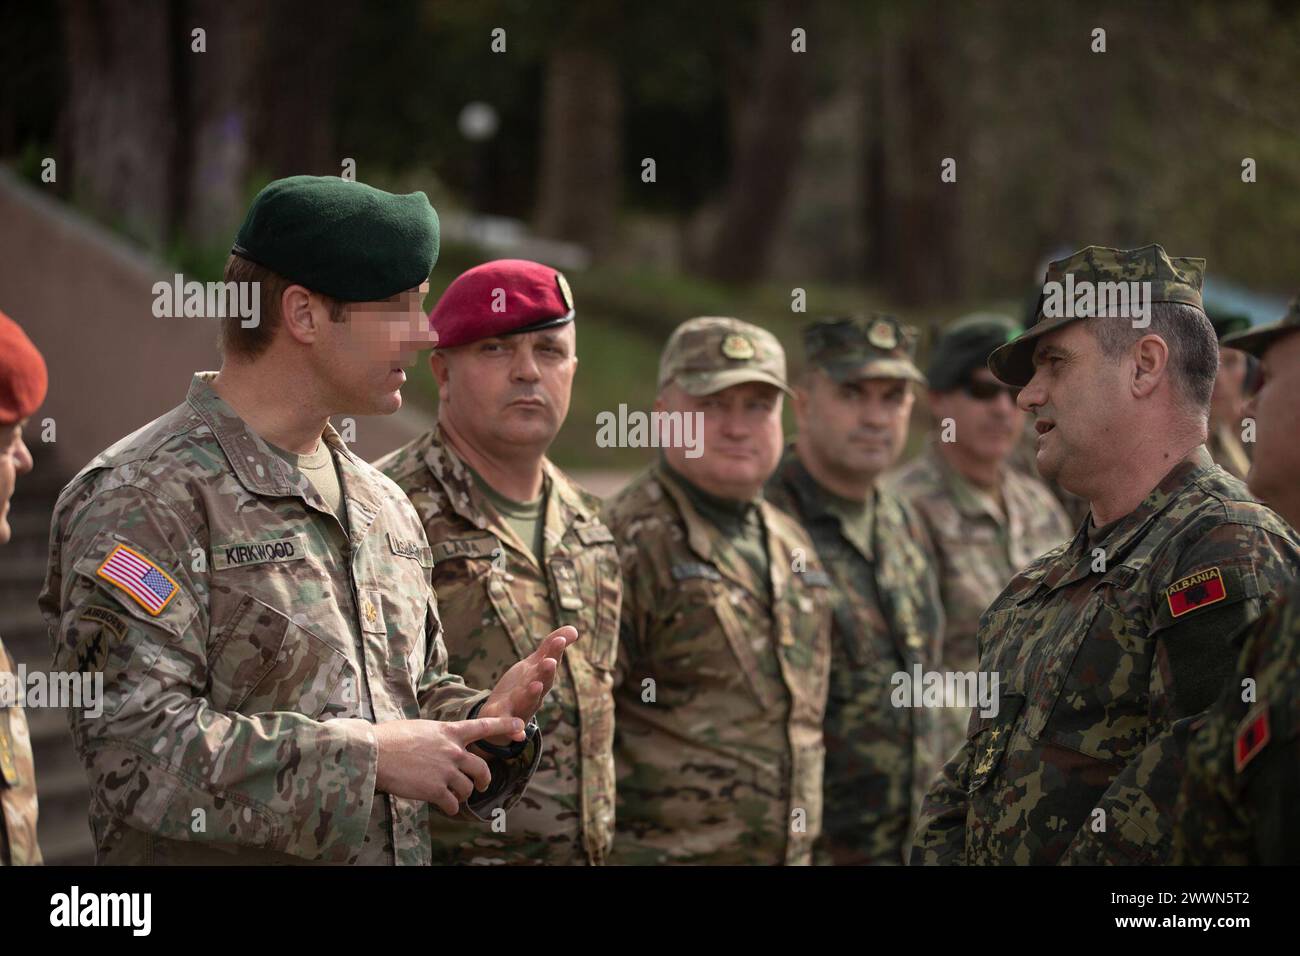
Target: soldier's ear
[
  {"x": 438, "y": 365},
  {"x": 1150, "y": 364},
  {"x": 296, "y": 315}
]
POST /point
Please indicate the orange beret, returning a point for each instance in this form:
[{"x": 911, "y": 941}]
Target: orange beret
[{"x": 23, "y": 378}]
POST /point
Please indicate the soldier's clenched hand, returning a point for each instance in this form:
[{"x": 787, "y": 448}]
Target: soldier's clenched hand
[
  {"x": 428, "y": 760},
  {"x": 521, "y": 689}
]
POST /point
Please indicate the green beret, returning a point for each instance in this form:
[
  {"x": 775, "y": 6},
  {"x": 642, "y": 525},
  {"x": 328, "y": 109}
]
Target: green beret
[
  {"x": 343, "y": 239},
  {"x": 1227, "y": 323},
  {"x": 965, "y": 346}
]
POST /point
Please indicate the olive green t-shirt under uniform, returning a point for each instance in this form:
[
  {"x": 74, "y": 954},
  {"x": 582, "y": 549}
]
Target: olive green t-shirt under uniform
[
  {"x": 322, "y": 471},
  {"x": 527, "y": 518}
]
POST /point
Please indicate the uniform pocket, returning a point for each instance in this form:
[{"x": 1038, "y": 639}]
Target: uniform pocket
[
  {"x": 262, "y": 662},
  {"x": 988, "y": 737}
]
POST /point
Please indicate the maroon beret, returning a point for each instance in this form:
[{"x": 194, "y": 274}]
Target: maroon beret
[
  {"x": 23, "y": 378},
  {"x": 503, "y": 297}
]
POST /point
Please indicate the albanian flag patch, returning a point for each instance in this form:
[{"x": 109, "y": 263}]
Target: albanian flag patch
[
  {"x": 1252, "y": 736},
  {"x": 1196, "y": 591}
]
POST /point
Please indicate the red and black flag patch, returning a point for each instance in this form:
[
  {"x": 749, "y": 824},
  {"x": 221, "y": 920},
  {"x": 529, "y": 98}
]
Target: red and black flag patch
[
  {"x": 1196, "y": 591},
  {"x": 1252, "y": 736}
]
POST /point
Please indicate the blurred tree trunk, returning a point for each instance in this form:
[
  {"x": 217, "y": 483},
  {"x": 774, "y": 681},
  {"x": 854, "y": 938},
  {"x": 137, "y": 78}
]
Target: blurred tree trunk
[
  {"x": 581, "y": 162},
  {"x": 122, "y": 112},
  {"x": 912, "y": 215},
  {"x": 212, "y": 159},
  {"x": 771, "y": 112},
  {"x": 297, "y": 74}
]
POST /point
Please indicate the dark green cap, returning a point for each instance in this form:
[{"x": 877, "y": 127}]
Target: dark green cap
[
  {"x": 343, "y": 239},
  {"x": 1257, "y": 341},
  {"x": 1171, "y": 280},
  {"x": 1227, "y": 323},
  {"x": 856, "y": 347},
  {"x": 965, "y": 346}
]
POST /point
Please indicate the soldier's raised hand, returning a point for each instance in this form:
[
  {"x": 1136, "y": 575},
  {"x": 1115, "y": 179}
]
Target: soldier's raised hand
[{"x": 521, "y": 689}]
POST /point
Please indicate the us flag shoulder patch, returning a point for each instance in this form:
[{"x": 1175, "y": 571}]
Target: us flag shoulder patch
[
  {"x": 1195, "y": 592},
  {"x": 149, "y": 585},
  {"x": 1253, "y": 736}
]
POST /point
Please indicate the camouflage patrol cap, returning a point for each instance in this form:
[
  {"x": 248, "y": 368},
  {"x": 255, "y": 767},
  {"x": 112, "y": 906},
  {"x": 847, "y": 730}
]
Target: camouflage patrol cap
[
  {"x": 1257, "y": 341},
  {"x": 709, "y": 353},
  {"x": 856, "y": 347},
  {"x": 1171, "y": 280}
]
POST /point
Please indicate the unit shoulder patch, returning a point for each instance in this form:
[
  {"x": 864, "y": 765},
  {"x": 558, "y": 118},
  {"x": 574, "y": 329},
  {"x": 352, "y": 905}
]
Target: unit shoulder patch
[{"x": 1195, "y": 592}]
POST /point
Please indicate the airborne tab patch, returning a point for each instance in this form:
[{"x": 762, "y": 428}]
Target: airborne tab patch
[
  {"x": 149, "y": 585},
  {"x": 1252, "y": 736},
  {"x": 1196, "y": 591}
]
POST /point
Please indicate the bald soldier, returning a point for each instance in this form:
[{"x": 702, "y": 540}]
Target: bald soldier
[
  {"x": 852, "y": 405},
  {"x": 518, "y": 549},
  {"x": 985, "y": 518},
  {"x": 1103, "y": 646},
  {"x": 258, "y": 598},
  {"x": 23, "y": 381},
  {"x": 724, "y": 648},
  {"x": 1242, "y": 784}
]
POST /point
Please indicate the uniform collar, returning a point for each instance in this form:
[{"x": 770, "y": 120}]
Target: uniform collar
[
  {"x": 1125, "y": 535},
  {"x": 967, "y": 500},
  {"x": 814, "y": 501},
  {"x": 565, "y": 502},
  {"x": 707, "y": 540},
  {"x": 263, "y": 472}
]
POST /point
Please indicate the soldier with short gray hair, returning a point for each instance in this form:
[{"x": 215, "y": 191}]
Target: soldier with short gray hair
[
  {"x": 725, "y": 639},
  {"x": 1104, "y": 646}
]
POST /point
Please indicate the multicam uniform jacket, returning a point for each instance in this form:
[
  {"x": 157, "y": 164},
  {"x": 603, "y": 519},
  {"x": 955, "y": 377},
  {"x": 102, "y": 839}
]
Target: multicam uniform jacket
[
  {"x": 977, "y": 550},
  {"x": 1103, "y": 650},
  {"x": 721, "y": 690},
  {"x": 887, "y": 621},
  {"x": 17, "y": 776},
  {"x": 238, "y": 626},
  {"x": 1242, "y": 786},
  {"x": 497, "y": 604}
]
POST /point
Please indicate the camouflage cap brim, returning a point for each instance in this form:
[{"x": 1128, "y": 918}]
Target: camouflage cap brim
[
  {"x": 854, "y": 371},
  {"x": 708, "y": 383},
  {"x": 1257, "y": 341},
  {"x": 1013, "y": 363}
]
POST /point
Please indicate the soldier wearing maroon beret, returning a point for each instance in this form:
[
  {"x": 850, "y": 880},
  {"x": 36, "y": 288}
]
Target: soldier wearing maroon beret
[
  {"x": 518, "y": 549},
  {"x": 23, "y": 380}
]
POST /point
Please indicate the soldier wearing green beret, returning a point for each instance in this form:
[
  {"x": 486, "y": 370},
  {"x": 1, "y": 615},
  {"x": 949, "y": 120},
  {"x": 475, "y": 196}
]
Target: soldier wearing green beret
[
  {"x": 1104, "y": 647},
  {"x": 23, "y": 380},
  {"x": 1242, "y": 784},
  {"x": 725, "y": 635},
  {"x": 256, "y": 596},
  {"x": 1226, "y": 421},
  {"x": 986, "y": 518},
  {"x": 852, "y": 406}
]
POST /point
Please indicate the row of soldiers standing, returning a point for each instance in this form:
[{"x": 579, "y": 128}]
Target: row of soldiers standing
[{"x": 742, "y": 614}]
